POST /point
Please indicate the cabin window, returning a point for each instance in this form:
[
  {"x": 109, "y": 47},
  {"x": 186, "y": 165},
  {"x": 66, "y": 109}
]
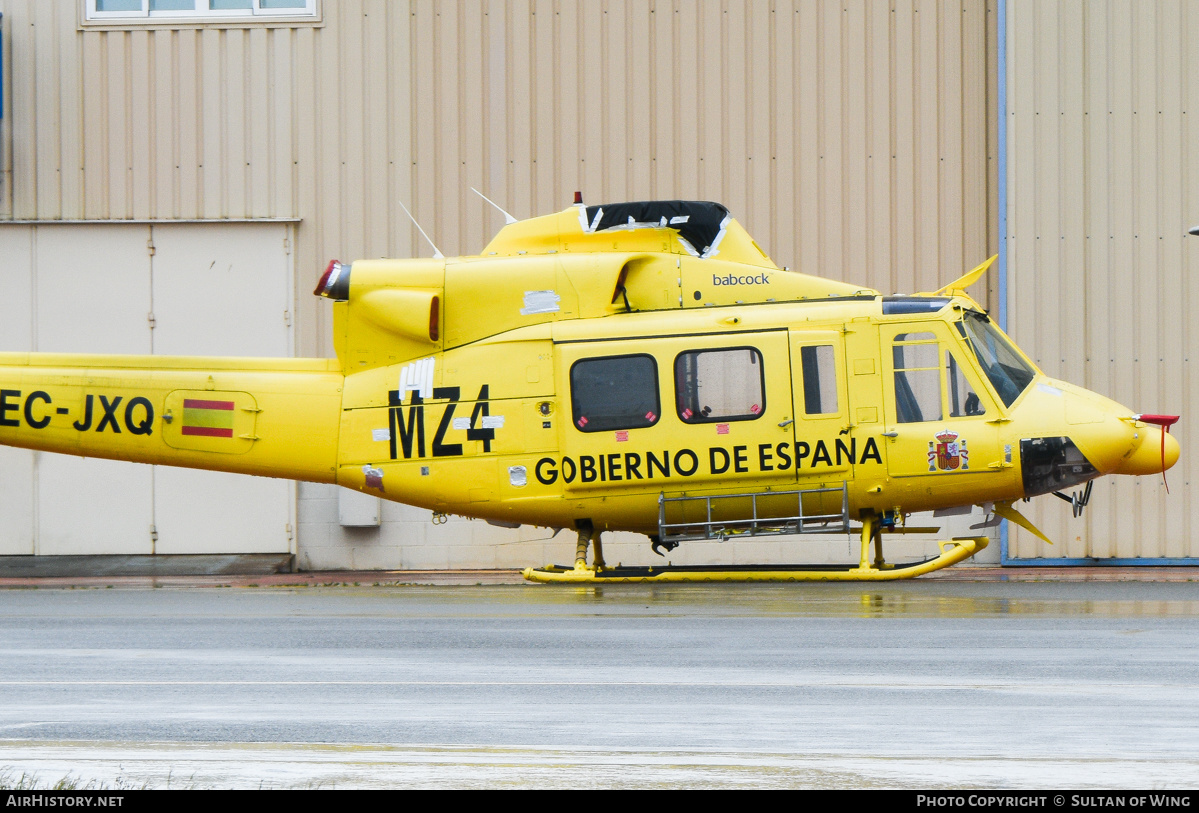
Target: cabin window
[
  {"x": 819, "y": 379},
  {"x": 615, "y": 392},
  {"x": 917, "y": 378},
  {"x": 720, "y": 385},
  {"x": 963, "y": 400}
]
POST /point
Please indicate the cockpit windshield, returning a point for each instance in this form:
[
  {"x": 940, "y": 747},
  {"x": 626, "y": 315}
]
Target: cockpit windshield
[{"x": 1007, "y": 371}]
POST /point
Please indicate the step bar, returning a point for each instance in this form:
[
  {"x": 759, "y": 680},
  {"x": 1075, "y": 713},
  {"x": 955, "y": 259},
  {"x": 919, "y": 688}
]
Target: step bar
[{"x": 753, "y": 525}]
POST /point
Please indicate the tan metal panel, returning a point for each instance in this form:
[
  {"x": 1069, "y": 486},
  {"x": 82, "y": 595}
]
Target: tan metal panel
[
  {"x": 211, "y": 131},
  {"x": 976, "y": 171},
  {"x": 949, "y": 142},
  {"x": 1171, "y": 239},
  {"x": 545, "y": 92},
  {"x": 855, "y": 123},
  {"x": 991, "y": 20},
  {"x": 16, "y": 311},
  {"x": 142, "y": 141},
  {"x": 282, "y": 82},
  {"x": 1188, "y": 290},
  {"x": 93, "y": 289},
  {"x": 760, "y": 171},
  {"x": 188, "y": 133},
  {"x": 116, "y": 119},
  {"x": 315, "y": 313},
  {"x": 400, "y": 242},
  {"x": 1097, "y": 293},
  {"x": 1069, "y": 235},
  {"x": 1122, "y": 101},
  {"x": 929, "y": 83},
  {"x": 345, "y": 148},
  {"x": 48, "y": 143},
  {"x": 830, "y": 145},
  {"x": 1100, "y": 172},
  {"x": 17, "y": 498},
  {"x": 878, "y": 233},
  {"x": 687, "y": 102},
  {"x": 714, "y": 100},
  {"x": 904, "y": 137},
  {"x": 377, "y": 112},
  {"x": 161, "y": 161},
  {"x": 221, "y": 290},
  {"x": 93, "y": 292},
  {"x": 661, "y": 138},
  {"x": 21, "y": 72},
  {"x": 261, "y": 122},
  {"x": 75, "y": 501},
  {"x": 424, "y": 130},
  {"x": 235, "y": 123},
  {"x": 69, "y": 64},
  {"x": 17, "y": 533},
  {"x": 494, "y": 61}
]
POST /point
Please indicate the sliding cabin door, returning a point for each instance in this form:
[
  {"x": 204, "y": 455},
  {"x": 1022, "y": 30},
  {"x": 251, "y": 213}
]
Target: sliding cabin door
[{"x": 702, "y": 412}]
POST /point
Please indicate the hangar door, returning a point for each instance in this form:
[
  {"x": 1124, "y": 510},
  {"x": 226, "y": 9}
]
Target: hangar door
[{"x": 162, "y": 289}]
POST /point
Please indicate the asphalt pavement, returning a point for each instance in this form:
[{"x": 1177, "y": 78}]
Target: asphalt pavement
[{"x": 927, "y": 683}]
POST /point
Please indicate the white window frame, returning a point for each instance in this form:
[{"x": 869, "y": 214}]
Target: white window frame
[{"x": 200, "y": 13}]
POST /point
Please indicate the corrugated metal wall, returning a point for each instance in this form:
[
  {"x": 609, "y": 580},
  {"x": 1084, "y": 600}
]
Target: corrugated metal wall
[
  {"x": 1102, "y": 185},
  {"x": 852, "y": 139}
]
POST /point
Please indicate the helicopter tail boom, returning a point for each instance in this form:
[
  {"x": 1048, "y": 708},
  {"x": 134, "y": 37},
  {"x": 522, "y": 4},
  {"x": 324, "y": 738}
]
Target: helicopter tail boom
[{"x": 272, "y": 417}]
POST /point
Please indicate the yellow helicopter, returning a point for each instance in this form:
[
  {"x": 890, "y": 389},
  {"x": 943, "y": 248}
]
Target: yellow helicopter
[{"x": 636, "y": 366}]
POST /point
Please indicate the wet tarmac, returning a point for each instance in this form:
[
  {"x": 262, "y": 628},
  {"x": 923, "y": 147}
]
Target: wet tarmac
[{"x": 932, "y": 683}]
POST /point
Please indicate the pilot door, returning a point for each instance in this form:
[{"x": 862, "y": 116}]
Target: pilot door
[
  {"x": 941, "y": 423},
  {"x": 679, "y": 413}
]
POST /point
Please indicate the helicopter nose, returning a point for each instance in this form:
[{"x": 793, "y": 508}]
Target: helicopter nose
[{"x": 1154, "y": 450}]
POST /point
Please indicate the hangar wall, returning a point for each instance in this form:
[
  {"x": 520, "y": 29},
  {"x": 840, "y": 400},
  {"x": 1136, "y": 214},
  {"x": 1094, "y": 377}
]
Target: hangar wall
[
  {"x": 143, "y": 289},
  {"x": 853, "y": 140},
  {"x": 1102, "y": 109}
]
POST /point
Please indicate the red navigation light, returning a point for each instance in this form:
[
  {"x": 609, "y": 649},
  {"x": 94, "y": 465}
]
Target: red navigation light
[
  {"x": 578, "y": 198},
  {"x": 335, "y": 282},
  {"x": 1165, "y": 422}
]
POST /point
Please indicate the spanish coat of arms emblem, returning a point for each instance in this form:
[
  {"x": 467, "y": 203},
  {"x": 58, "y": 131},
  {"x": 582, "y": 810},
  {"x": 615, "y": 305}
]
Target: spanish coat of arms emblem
[{"x": 947, "y": 452}]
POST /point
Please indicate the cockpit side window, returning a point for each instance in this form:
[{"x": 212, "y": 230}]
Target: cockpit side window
[
  {"x": 1007, "y": 371},
  {"x": 917, "y": 378},
  {"x": 720, "y": 385}
]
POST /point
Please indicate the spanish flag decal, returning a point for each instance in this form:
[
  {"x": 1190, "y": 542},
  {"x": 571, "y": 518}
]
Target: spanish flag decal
[
  {"x": 210, "y": 419},
  {"x": 219, "y": 421}
]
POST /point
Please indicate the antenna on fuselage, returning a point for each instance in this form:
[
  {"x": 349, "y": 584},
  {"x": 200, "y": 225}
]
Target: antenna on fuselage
[
  {"x": 437, "y": 255},
  {"x": 507, "y": 217}
]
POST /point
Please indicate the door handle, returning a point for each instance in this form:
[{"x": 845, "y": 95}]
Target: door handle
[
  {"x": 890, "y": 434},
  {"x": 786, "y": 423}
]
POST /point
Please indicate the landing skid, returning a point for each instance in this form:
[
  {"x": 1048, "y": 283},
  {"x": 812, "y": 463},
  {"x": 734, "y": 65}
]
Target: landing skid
[{"x": 952, "y": 552}]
